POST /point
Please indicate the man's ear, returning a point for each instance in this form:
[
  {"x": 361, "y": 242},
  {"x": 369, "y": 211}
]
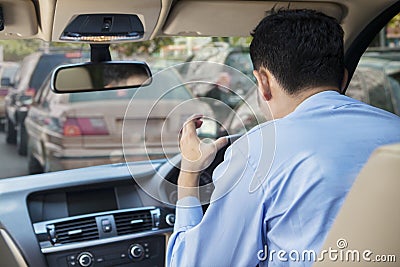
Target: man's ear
[
  {"x": 263, "y": 83},
  {"x": 344, "y": 81}
]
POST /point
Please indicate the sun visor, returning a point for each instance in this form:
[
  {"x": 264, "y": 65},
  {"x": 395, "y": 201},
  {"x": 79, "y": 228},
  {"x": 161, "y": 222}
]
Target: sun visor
[{"x": 220, "y": 18}]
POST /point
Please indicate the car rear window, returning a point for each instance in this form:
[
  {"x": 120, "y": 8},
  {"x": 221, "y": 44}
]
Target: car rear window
[
  {"x": 165, "y": 85},
  {"x": 9, "y": 72},
  {"x": 46, "y": 64}
]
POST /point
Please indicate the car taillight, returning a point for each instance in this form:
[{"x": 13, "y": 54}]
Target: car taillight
[
  {"x": 73, "y": 55},
  {"x": 71, "y": 128},
  {"x": 30, "y": 92},
  {"x": 84, "y": 126}
]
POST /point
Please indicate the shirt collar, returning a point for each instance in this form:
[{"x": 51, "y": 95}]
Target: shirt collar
[{"x": 315, "y": 101}]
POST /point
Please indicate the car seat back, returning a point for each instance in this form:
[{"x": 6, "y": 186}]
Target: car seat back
[{"x": 368, "y": 224}]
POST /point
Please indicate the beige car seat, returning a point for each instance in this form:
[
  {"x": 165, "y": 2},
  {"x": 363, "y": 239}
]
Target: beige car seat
[{"x": 368, "y": 223}]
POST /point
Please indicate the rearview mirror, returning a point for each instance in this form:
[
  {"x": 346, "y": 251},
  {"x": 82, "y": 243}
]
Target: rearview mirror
[{"x": 99, "y": 76}]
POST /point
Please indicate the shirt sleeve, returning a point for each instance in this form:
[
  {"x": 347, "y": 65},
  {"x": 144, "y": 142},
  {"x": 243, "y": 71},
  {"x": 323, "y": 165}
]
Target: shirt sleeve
[
  {"x": 229, "y": 232},
  {"x": 188, "y": 213}
]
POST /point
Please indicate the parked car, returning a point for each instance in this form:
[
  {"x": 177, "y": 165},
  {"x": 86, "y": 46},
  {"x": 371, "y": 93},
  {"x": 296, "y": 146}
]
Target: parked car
[
  {"x": 34, "y": 69},
  {"x": 231, "y": 77},
  {"x": 376, "y": 81},
  {"x": 375, "y": 84},
  {"x": 7, "y": 76},
  {"x": 68, "y": 131}
]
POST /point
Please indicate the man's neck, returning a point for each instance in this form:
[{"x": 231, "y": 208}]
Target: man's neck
[{"x": 288, "y": 103}]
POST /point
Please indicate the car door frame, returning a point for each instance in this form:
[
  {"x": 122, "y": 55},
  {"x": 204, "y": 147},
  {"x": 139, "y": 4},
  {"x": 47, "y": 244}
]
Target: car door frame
[{"x": 360, "y": 44}]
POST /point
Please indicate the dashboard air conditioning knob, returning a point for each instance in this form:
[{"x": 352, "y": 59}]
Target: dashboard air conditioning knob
[
  {"x": 136, "y": 251},
  {"x": 85, "y": 259}
]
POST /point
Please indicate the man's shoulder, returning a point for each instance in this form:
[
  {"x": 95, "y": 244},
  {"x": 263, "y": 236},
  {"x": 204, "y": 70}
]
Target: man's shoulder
[{"x": 258, "y": 132}]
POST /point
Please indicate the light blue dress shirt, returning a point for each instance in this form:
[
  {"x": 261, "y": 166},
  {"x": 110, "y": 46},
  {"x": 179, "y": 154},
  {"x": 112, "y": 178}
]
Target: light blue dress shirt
[{"x": 281, "y": 185}]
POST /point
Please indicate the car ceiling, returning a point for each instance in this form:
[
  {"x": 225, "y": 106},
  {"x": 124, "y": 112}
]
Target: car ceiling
[{"x": 46, "y": 19}]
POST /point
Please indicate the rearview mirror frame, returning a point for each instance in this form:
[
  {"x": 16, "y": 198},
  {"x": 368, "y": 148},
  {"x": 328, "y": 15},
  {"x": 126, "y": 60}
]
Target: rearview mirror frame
[{"x": 68, "y": 78}]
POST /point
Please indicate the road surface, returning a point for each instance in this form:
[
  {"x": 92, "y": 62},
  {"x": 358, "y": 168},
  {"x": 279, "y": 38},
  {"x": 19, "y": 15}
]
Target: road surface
[{"x": 11, "y": 164}]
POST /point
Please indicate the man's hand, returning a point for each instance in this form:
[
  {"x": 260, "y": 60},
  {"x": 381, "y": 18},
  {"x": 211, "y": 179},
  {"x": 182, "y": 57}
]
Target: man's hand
[{"x": 196, "y": 156}]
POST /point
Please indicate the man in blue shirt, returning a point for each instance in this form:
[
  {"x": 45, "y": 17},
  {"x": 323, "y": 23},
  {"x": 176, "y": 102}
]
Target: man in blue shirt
[{"x": 282, "y": 184}]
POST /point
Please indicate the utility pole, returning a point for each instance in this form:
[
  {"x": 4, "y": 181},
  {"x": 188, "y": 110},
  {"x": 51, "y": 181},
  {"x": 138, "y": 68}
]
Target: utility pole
[
  {"x": 382, "y": 37},
  {"x": 46, "y": 47}
]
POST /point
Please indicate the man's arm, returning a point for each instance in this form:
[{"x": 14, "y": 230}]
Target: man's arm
[
  {"x": 196, "y": 156},
  {"x": 228, "y": 234}
]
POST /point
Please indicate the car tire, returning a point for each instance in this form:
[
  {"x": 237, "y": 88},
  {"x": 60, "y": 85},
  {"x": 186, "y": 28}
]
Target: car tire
[
  {"x": 22, "y": 140},
  {"x": 2, "y": 124},
  {"x": 11, "y": 133},
  {"x": 34, "y": 166}
]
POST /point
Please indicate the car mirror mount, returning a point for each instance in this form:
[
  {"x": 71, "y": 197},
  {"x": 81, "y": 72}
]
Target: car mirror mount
[{"x": 100, "y": 52}]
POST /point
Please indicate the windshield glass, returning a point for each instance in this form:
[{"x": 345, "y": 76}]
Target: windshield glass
[{"x": 208, "y": 76}]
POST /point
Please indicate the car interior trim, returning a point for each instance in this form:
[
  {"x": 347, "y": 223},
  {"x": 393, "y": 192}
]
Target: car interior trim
[
  {"x": 26, "y": 14},
  {"x": 66, "y": 10},
  {"x": 165, "y": 9},
  {"x": 10, "y": 254},
  {"x": 99, "y": 183},
  {"x": 104, "y": 241},
  {"x": 185, "y": 16}
]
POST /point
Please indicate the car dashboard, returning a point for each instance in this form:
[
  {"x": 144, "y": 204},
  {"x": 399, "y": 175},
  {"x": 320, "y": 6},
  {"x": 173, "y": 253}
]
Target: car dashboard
[{"x": 96, "y": 216}]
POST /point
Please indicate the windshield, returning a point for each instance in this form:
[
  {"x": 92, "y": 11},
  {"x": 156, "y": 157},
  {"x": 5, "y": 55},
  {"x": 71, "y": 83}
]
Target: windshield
[{"x": 208, "y": 76}]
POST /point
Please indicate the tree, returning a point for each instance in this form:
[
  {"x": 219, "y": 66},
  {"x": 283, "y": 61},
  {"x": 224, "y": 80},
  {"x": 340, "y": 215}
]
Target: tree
[
  {"x": 233, "y": 41},
  {"x": 16, "y": 50},
  {"x": 142, "y": 48},
  {"x": 393, "y": 27}
]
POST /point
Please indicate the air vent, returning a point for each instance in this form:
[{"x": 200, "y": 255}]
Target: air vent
[
  {"x": 133, "y": 222},
  {"x": 73, "y": 231}
]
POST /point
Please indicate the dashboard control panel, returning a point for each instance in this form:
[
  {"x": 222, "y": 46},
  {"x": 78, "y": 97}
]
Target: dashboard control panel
[
  {"x": 146, "y": 251},
  {"x": 112, "y": 238}
]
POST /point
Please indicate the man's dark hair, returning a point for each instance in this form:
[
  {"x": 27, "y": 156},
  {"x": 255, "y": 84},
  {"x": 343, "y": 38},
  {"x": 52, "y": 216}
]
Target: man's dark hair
[{"x": 301, "y": 48}]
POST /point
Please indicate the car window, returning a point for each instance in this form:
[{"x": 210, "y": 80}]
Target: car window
[
  {"x": 394, "y": 80},
  {"x": 9, "y": 72},
  {"x": 38, "y": 97},
  {"x": 378, "y": 92},
  {"x": 44, "y": 92},
  {"x": 241, "y": 61},
  {"x": 45, "y": 65},
  {"x": 357, "y": 87},
  {"x": 23, "y": 74},
  {"x": 48, "y": 97}
]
